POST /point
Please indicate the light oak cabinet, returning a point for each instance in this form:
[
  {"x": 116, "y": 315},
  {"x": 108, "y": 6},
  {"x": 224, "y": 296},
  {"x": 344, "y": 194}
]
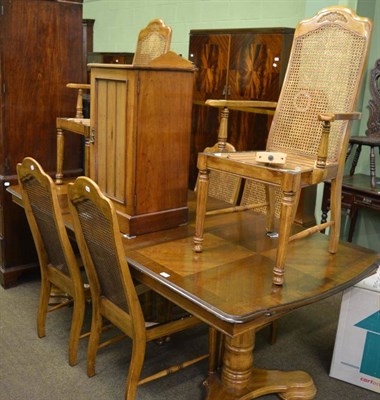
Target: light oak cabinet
[{"x": 139, "y": 156}]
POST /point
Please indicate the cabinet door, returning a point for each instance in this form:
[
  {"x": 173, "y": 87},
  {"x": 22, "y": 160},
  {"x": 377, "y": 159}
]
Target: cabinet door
[
  {"x": 112, "y": 154},
  {"x": 210, "y": 54},
  {"x": 41, "y": 48},
  {"x": 255, "y": 66}
]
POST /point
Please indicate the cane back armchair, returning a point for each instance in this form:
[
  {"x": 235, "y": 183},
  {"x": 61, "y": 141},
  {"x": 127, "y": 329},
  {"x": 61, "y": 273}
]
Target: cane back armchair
[
  {"x": 113, "y": 292},
  {"x": 153, "y": 41},
  {"x": 310, "y": 129},
  {"x": 58, "y": 263}
]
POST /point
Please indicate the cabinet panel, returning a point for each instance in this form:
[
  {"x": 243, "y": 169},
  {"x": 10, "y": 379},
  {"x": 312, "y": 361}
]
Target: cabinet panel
[
  {"x": 163, "y": 133},
  {"x": 210, "y": 55},
  {"x": 35, "y": 90},
  {"x": 255, "y": 67},
  {"x": 111, "y": 106}
]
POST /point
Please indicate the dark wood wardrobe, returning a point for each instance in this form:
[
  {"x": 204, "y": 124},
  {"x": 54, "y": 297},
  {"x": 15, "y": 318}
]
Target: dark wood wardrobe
[{"x": 41, "y": 44}]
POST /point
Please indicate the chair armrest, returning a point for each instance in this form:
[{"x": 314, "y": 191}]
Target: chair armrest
[
  {"x": 340, "y": 116},
  {"x": 253, "y": 106},
  {"x": 83, "y": 86},
  {"x": 326, "y": 121},
  {"x": 241, "y": 103}
]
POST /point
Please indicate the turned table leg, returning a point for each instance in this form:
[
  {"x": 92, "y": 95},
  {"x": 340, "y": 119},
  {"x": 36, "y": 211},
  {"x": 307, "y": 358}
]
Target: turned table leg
[{"x": 240, "y": 381}]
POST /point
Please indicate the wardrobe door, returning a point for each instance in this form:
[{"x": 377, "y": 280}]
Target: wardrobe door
[{"x": 255, "y": 72}]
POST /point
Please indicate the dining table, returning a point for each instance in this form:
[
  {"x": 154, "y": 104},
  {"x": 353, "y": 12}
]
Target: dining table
[{"x": 229, "y": 287}]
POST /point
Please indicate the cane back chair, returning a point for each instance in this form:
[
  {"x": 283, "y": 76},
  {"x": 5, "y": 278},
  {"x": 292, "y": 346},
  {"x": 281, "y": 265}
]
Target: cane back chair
[
  {"x": 153, "y": 41},
  {"x": 58, "y": 263},
  {"x": 311, "y": 126},
  {"x": 114, "y": 295}
]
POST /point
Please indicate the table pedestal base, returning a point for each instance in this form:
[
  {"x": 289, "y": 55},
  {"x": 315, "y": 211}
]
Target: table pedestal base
[{"x": 288, "y": 385}]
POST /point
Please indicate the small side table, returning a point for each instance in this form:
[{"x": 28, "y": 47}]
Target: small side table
[{"x": 356, "y": 193}]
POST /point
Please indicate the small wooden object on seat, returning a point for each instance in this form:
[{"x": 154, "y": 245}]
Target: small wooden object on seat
[
  {"x": 372, "y": 134},
  {"x": 114, "y": 295},
  {"x": 58, "y": 264},
  {"x": 311, "y": 125},
  {"x": 153, "y": 41}
]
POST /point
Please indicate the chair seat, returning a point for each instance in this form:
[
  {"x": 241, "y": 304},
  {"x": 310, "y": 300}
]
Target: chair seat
[
  {"x": 294, "y": 162},
  {"x": 80, "y": 126}
]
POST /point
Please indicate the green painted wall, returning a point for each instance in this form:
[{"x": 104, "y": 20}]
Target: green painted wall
[{"x": 117, "y": 23}]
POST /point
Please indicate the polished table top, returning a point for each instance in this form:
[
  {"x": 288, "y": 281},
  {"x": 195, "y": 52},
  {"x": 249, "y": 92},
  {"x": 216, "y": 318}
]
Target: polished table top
[{"x": 229, "y": 284}]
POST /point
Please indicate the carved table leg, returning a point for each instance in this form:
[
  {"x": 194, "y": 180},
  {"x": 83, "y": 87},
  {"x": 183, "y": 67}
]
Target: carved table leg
[{"x": 240, "y": 381}]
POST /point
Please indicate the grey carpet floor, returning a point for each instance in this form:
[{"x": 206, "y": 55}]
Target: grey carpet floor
[{"x": 37, "y": 369}]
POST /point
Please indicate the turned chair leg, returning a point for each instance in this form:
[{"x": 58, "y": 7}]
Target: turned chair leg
[
  {"x": 288, "y": 209},
  {"x": 202, "y": 193},
  {"x": 60, "y": 151},
  {"x": 270, "y": 211}
]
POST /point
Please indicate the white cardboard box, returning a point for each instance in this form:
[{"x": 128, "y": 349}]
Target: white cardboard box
[{"x": 356, "y": 357}]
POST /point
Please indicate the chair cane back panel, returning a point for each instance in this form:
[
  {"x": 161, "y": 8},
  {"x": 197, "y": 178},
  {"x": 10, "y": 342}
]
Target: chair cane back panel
[
  {"x": 153, "y": 41},
  {"x": 98, "y": 235},
  {"x": 313, "y": 86},
  {"x": 224, "y": 187},
  {"x": 41, "y": 204},
  {"x": 254, "y": 193}
]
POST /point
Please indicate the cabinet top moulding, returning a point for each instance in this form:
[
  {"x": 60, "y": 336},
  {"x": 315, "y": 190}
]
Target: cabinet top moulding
[
  {"x": 168, "y": 61},
  {"x": 280, "y": 30}
]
